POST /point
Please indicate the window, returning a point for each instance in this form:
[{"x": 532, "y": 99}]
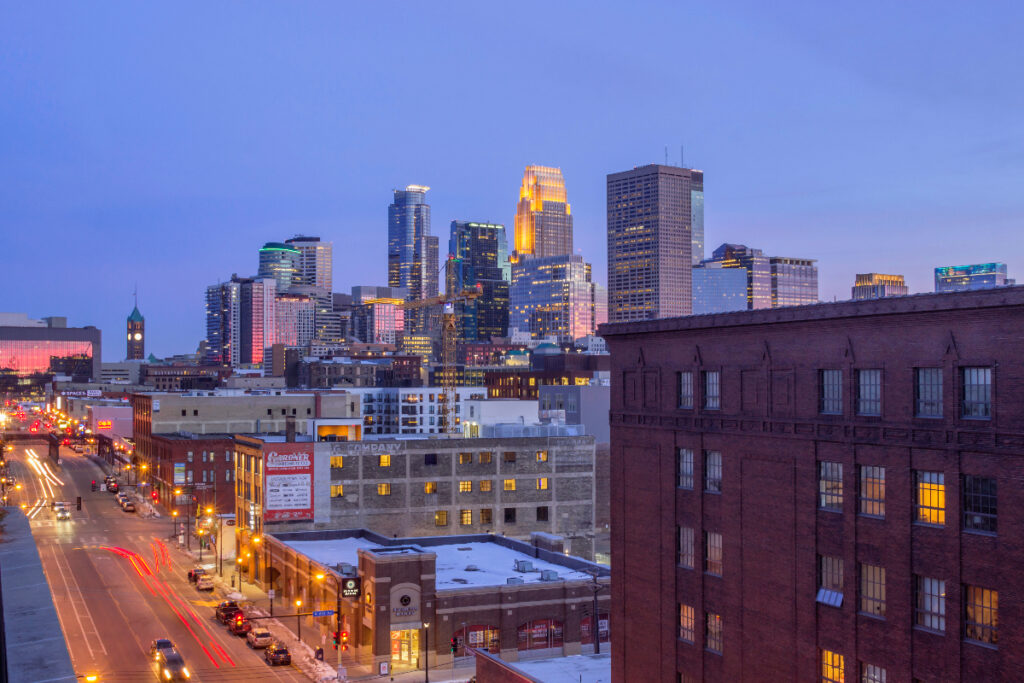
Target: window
[
  {"x": 872, "y": 491},
  {"x": 465, "y": 517},
  {"x": 930, "y": 603},
  {"x": 713, "y": 632},
  {"x": 204, "y": 456},
  {"x": 189, "y": 456},
  {"x": 928, "y": 392},
  {"x": 486, "y": 516},
  {"x": 337, "y": 490},
  {"x": 510, "y": 456},
  {"x": 869, "y": 673},
  {"x": 686, "y": 623},
  {"x": 685, "y": 550},
  {"x": 542, "y": 513},
  {"x": 830, "y": 580},
  {"x": 485, "y": 457},
  {"x": 510, "y": 515},
  {"x": 383, "y": 461},
  {"x": 713, "y": 471},
  {"x": 465, "y": 458},
  {"x": 510, "y": 484},
  {"x": 832, "y": 667},
  {"x": 831, "y": 392},
  {"x": 713, "y": 553},
  {"x": 930, "y": 498},
  {"x": 430, "y": 487},
  {"x": 465, "y": 487},
  {"x": 976, "y": 396},
  {"x": 542, "y": 483},
  {"x": 337, "y": 461},
  {"x": 981, "y": 612},
  {"x": 712, "y": 390},
  {"x": 979, "y": 503},
  {"x": 441, "y": 518},
  {"x": 830, "y": 485},
  {"x": 542, "y": 456},
  {"x": 383, "y": 489},
  {"x": 485, "y": 486},
  {"x": 872, "y": 590},
  {"x": 869, "y": 392},
  {"x": 430, "y": 458},
  {"x": 686, "y": 390},
  {"x": 684, "y": 468}
]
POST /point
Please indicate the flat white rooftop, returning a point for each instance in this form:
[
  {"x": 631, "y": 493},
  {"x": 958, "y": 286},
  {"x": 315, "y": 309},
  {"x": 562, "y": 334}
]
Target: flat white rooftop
[{"x": 577, "y": 668}]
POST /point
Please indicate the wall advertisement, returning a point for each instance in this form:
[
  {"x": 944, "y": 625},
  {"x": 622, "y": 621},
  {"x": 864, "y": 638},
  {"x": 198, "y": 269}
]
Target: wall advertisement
[{"x": 288, "y": 481}]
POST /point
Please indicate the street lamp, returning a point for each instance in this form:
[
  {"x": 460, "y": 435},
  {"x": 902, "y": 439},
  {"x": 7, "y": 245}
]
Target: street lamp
[
  {"x": 174, "y": 523},
  {"x": 337, "y": 616},
  {"x": 298, "y": 619},
  {"x": 426, "y": 651}
]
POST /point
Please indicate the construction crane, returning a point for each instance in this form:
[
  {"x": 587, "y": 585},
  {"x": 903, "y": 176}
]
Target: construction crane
[{"x": 449, "y": 333}]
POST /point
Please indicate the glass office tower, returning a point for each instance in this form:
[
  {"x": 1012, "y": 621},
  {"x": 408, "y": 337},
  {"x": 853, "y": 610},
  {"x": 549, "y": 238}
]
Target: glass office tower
[
  {"x": 772, "y": 281},
  {"x": 543, "y": 216},
  {"x": 412, "y": 251},
  {"x": 877, "y": 286},
  {"x": 977, "y": 276},
  {"x": 552, "y": 297},
  {"x": 480, "y": 260},
  {"x": 315, "y": 266},
  {"x": 281, "y": 262},
  {"x": 794, "y": 281},
  {"x": 717, "y": 289}
]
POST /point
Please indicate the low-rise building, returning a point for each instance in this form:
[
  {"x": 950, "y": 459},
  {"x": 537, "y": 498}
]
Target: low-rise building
[
  {"x": 200, "y": 465},
  {"x": 408, "y": 411}
]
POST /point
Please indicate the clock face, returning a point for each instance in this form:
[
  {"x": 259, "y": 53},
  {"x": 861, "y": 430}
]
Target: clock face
[{"x": 138, "y": 336}]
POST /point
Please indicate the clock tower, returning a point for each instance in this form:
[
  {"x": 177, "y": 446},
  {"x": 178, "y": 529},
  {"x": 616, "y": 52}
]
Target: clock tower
[{"x": 136, "y": 335}]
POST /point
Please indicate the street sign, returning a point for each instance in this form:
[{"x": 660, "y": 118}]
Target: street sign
[
  {"x": 270, "y": 593},
  {"x": 323, "y": 613}
]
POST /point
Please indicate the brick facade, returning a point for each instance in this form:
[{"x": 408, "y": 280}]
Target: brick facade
[{"x": 778, "y": 516}]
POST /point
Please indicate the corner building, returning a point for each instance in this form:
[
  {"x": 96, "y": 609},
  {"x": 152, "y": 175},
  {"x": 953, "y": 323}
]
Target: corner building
[{"x": 822, "y": 493}]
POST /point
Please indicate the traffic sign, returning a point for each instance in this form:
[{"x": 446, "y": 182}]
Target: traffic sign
[{"x": 323, "y": 613}]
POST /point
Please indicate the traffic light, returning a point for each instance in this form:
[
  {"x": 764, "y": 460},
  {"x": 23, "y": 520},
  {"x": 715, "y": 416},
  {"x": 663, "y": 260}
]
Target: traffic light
[
  {"x": 335, "y": 638},
  {"x": 78, "y": 503},
  {"x": 238, "y": 620},
  {"x": 455, "y": 644},
  {"x": 344, "y": 640},
  {"x": 154, "y": 495}
]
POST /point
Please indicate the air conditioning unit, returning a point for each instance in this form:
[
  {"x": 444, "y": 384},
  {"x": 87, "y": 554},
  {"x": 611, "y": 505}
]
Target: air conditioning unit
[
  {"x": 346, "y": 569},
  {"x": 472, "y": 568},
  {"x": 524, "y": 566},
  {"x": 548, "y": 575},
  {"x": 514, "y": 581}
]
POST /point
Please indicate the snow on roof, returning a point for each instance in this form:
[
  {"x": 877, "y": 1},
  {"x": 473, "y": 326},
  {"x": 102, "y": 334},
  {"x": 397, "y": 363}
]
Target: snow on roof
[
  {"x": 576, "y": 668},
  {"x": 333, "y": 552}
]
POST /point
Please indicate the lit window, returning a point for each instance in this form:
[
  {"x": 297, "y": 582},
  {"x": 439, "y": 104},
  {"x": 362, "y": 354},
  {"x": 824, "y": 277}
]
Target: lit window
[
  {"x": 686, "y": 547},
  {"x": 713, "y": 632},
  {"x": 830, "y": 580},
  {"x": 872, "y": 590},
  {"x": 384, "y": 461},
  {"x": 869, "y": 392},
  {"x": 383, "y": 489},
  {"x": 869, "y": 673},
  {"x": 831, "y": 392},
  {"x": 510, "y": 484},
  {"x": 928, "y": 392},
  {"x": 337, "y": 490},
  {"x": 930, "y": 603},
  {"x": 486, "y": 516},
  {"x": 337, "y": 461},
  {"x": 441, "y": 518},
  {"x": 686, "y": 390},
  {"x": 713, "y": 553},
  {"x": 430, "y": 487},
  {"x": 684, "y": 467},
  {"x": 830, "y": 485},
  {"x": 485, "y": 457},
  {"x": 465, "y": 458},
  {"x": 976, "y": 393},
  {"x": 465, "y": 517},
  {"x": 712, "y": 390},
  {"x": 979, "y": 503},
  {"x": 542, "y": 456},
  {"x": 930, "y": 497},
  {"x": 485, "y": 485},
  {"x": 981, "y": 614},
  {"x": 686, "y": 623},
  {"x": 832, "y": 667},
  {"x": 542, "y": 484},
  {"x": 713, "y": 471},
  {"x": 872, "y": 491},
  {"x": 465, "y": 487}
]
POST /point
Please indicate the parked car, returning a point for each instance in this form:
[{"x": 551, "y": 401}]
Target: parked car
[
  {"x": 204, "y": 583},
  {"x": 128, "y": 507},
  {"x": 240, "y": 626},
  {"x": 227, "y": 610},
  {"x": 159, "y": 644},
  {"x": 112, "y": 487},
  {"x": 277, "y": 653},
  {"x": 259, "y": 638},
  {"x": 195, "y": 573}
]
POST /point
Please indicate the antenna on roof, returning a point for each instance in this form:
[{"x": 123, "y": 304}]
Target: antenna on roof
[
  {"x": 682, "y": 156},
  {"x": 666, "y": 155}
]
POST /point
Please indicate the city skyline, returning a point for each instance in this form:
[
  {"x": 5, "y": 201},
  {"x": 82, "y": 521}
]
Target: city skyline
[{"x": 165, "y": 160}]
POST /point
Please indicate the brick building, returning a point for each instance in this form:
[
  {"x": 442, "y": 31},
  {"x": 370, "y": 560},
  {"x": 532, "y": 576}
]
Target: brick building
[
  {"x": 825, "y": 492},
  {"x": 201, "y": 465}
]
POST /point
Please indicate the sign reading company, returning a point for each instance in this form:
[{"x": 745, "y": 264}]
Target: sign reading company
[{"x": 288, "y": 481}]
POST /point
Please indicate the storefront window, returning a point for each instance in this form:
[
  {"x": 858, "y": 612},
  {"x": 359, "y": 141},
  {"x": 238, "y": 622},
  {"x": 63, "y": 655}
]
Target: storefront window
[
  {"x": 405, "y": 647},
  {"x": 481, "y": 637},
  {"x": 540, "y": 635},
  {"x": 586, "y": 634}
]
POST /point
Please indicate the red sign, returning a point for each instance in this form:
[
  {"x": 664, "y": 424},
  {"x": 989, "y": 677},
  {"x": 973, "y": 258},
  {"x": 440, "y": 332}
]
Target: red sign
[
  {"x": 288, "y": 481},
  {"x": 104, "y": 424}
]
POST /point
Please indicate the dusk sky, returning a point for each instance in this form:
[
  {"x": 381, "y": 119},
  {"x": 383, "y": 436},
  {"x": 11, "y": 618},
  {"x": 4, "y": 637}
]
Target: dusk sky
[{"x": 163, "y": 143}]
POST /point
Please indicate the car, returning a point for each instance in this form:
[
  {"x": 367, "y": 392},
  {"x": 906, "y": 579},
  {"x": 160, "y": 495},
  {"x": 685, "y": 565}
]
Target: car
[
  {"x": 63, "y": 513},
  {"x": 225, "y": 606},
  {"x": 258, "y": 638},
  {"x": 276, "y": 653},
  {"x": 170, "y": 666},
  {"x": 112, "y": 487},
  {"x": 204, "y": 583},
  {"x": 195, "y": 573},
  {"x": 229, "y": 614},
  {"x": 159, "y": 644},
  {"x": 128, "y": 507},
  {"x": 57, "y": 504},
  {"x": 121, "y": 496},
  {"x": 240, "y": 626}
]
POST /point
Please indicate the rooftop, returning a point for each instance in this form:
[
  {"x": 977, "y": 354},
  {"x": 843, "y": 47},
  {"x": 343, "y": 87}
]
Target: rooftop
[{"x": 577, "y": 668}]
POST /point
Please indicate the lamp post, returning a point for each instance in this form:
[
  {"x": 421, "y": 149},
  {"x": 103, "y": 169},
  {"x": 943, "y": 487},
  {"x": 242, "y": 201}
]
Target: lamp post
[
  {"x": 337, "y": 617},
  {"x": 298, "y": 619},
  {"x": 595, "y": 620},
  {"x": 174, "y": 523},
  {"x": 426, "y": 651}
]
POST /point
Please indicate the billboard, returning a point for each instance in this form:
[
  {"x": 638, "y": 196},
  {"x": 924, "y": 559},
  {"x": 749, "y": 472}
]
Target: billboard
[
  {"x": 287, "y": 481},
  {"x": 179, "y": 473}
]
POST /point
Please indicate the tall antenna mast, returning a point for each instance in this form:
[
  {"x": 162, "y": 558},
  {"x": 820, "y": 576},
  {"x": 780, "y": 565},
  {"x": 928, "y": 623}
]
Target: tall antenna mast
[
  {"x": 666, "y": 155},
  {"x": 682, "y": 156}
]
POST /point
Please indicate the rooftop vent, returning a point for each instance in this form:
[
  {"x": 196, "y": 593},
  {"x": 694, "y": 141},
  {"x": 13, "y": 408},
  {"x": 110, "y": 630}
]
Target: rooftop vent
[
  {"x": 523, "y": 566},
  {"x": 472, "y": 568},
  {"x": 548, "y": 575},
  {"x": 464, "y": 548},
  {"x": 514, "y": 581},
  {"x": 346, "y": 569},
  {"x": 458, "y": 580}
]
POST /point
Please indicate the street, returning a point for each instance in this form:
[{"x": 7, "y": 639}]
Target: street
[{"x": 118, "y": 581}]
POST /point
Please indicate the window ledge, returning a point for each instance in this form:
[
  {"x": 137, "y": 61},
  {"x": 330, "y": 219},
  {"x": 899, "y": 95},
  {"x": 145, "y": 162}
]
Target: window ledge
[
  {"x": 864, "y": 515},
  {"x": 928, "y": 525},
  {"x": 714, "y": 493},
  {"x": 874, "y": 617},
  {"x": 979, "y": 643},
  {"x": 837, "y": 511},
  {"x": 932, "y": 631},
  {"x": 979, "y": 532}
]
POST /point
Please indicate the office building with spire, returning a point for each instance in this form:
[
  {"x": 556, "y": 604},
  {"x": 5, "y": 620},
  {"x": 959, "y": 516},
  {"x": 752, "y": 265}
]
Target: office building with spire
[
  {"x": 412, "y": 251},
  {"x": 655, "y": 217},
  {"x": 136, "y": 335},
  {"x": 543, "y": 216}
]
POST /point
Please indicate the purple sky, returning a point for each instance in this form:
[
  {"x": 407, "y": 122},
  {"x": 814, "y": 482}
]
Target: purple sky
[{"x": 163, "y": 143}]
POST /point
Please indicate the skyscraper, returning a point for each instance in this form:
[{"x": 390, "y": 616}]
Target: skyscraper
[
  {"x": 553, "y": 296},
  {"x": 480, "y": 252},
  {"x": 316, "y": 261},
  {"x": 294, "y": 315},
  {"x": 282, "y": 262},
  {"x": 223, "y": 309},
  {"x": 240, "y": 321},
  {"x": 977, "y": 276},
  {"x": 717, "y": 289},
  {"x": 758, "y": 267},
  {"x": 877, "y": 286},
  {"x": 136, "y": 335},
  {"x": 412, "y": 250},
  {"x": 655, "y": 234},
  {"x": 794, "y": 281},
  {"x": 543, "y": 216}
]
